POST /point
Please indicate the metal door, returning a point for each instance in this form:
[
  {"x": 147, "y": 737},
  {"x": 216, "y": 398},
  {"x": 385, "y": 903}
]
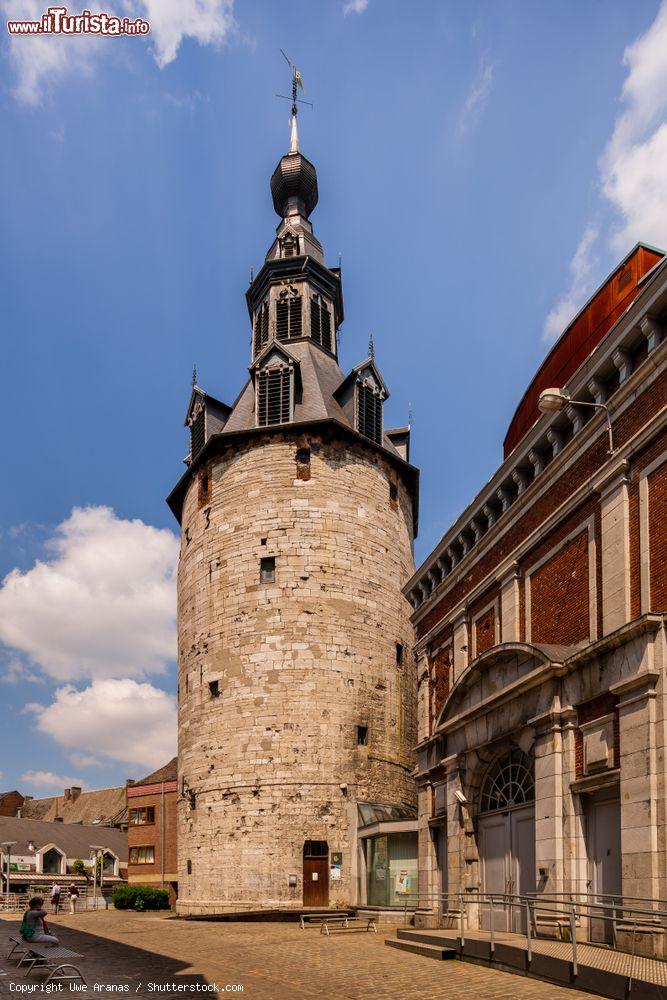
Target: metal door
[
  {"x": 604, "y": 861},
  {"x": 507, "y": 859}
]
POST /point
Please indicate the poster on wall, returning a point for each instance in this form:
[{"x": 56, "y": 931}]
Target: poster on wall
[{"x": 403, "y": 883}]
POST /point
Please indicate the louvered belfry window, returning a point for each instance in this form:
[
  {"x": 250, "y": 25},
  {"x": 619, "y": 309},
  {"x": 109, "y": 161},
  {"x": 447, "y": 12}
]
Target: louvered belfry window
[
  {"x": 290, "y": 246},
  {"x": 197, "y": 434},
  {"x": 261, "y": 327},
  {"x": 369, "y": 412},
  {"x": 288, "y": 318},
  {"x": 320, "y": 322},
  {"x": 274, "y": 396}
]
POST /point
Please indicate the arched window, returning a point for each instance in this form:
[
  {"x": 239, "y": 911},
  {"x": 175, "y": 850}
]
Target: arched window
[
  {"x": 261, "y": 327},
  {"x": 274, "y": 395},
  {"x": 320, "y": 322},
  {"x": 510, "y": 782},
  {"x": 369, "y": 411}
]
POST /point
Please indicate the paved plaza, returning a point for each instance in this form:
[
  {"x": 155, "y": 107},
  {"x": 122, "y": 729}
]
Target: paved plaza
[{"x": 271, "y": 961}]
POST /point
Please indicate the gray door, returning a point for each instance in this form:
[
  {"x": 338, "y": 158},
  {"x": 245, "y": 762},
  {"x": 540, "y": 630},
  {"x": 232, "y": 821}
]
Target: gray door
[
  {"x": 604, "y": 861},
  {"x": 507, "y": 860}
]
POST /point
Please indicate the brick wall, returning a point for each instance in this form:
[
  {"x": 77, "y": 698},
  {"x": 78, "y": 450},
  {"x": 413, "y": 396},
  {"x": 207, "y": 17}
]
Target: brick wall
[
  {"x": 485, "y": 631},
  {"x": 151, "y": 835},
  {"x": 559, "y": 595},
  {"x": 649, "y": 402},
  {"x": 657, "y": 531}
]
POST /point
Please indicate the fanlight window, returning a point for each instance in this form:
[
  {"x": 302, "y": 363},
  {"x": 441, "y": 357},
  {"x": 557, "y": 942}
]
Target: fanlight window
[
  {"x": 261, "y": 327},
  {"x": 510, "y": 782},
  {"x": 369, "y": 411},
  {"x": 320, "y": 322},
  {"x": 274, "y": 395}
]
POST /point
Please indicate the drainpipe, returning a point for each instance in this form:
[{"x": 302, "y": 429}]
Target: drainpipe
[{"x": 162, "y": 839}]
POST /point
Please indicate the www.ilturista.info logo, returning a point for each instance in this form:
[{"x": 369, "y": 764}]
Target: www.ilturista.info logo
[{"x": 56, "y": 21}]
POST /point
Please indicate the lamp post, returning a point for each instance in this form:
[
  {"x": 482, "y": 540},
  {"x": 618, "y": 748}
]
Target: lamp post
[
  {"x": 98, "y": 854},
  {"x": 553, "y": 400},
  {"x": 8, "y": 844}
]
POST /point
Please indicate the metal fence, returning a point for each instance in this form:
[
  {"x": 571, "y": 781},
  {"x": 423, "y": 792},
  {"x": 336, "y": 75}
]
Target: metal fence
[
  {"x": 568, "y": 914},
  {"x": 87, "y": 900}
]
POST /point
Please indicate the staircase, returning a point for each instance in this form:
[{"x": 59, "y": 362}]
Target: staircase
[{"x": 420, "y": 944}]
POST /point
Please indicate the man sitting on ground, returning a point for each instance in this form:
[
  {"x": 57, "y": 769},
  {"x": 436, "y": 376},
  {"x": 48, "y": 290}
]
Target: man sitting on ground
[{"x": 33, "y": 928}]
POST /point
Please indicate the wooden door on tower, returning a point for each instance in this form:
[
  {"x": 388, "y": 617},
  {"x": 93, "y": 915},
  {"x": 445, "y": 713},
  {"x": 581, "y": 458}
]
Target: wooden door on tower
[{"x": 315, "y": 873}]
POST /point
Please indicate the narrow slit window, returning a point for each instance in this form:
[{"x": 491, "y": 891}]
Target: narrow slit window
[
  {"x": 399, "y": 654},
  {"x": 267, "y": 570},
  {"x": 214, "y": 689},
  {"x": 362, "y": 736}
]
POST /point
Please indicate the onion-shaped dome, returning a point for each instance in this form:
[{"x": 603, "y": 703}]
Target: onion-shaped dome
[{"x": 294, "y": 186}]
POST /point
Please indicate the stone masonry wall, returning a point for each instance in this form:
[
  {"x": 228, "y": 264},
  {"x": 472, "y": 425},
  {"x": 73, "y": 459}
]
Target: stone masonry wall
[{"x": 299, "y": 663}]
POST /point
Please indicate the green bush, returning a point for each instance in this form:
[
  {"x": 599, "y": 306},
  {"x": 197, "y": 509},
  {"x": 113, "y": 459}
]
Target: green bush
[{"x": 139, "y": 897}]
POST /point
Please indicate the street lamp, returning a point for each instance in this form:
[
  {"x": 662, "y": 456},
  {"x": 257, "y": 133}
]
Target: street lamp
[
  {"x": 553, "y": 400},
  {"x": 99, "y": 851},
  {"x": 8, "y": 844}
]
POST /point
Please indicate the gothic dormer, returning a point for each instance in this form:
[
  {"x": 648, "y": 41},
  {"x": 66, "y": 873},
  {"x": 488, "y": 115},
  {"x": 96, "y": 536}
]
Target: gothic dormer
[
  {"x": 362, "y": 395},
  {"x": 276, "y": 375},
  {"x": 205, "y": 416}
]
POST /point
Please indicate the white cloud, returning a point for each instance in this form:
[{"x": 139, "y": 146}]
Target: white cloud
[
  {"x": 355, "y": 7},
  {"x": 478, "y": 95},
  {"x": 633, "y": 170},
  {"x": 583, "y": 269},
  {"x": 116, "y": 720},
  {"x": 103, "y": 605},
  {"x": 85, "y": 760},
  {"x": 39, "y": 62},
  {"x": 47, "y": 781}
]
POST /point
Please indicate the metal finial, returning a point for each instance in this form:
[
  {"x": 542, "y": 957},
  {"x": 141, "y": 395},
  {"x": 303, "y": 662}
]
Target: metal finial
[
  {"x": 252, "y": 275},
  {"x": 371, "y": 347},
  {"x": 296, "y": 83},
  {"x": 340, "y": 261},
  {"x": 409, "y": 416},
  {"x": 194, "y": 375}
]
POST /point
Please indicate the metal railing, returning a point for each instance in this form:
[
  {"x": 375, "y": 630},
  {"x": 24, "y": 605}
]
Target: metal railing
[{"x": 569, "y": 913}]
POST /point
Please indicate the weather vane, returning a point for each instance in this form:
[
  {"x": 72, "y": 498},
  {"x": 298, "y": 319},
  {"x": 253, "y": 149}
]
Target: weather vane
[{"x": 296, "y": 83}]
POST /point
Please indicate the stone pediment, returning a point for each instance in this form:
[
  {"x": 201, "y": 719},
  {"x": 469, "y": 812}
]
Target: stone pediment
[{"x": 503, "y": 672}]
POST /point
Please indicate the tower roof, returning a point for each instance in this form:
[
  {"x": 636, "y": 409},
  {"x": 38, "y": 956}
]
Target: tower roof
[{"x": 294, "y": 182}]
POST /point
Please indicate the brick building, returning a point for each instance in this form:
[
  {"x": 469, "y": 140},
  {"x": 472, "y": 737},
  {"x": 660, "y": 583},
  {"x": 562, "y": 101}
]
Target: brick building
[
  {"x": 540, "y": 631},
  {"x": 297, "y": 685},
  {"x": 151, "y": 831}
]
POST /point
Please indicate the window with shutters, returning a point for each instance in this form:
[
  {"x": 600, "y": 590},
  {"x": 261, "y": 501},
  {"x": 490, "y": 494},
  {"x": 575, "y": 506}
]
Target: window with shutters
[
  {"x": 320, "y": 322},
  {"x": 288, "y": 317},
  {"x": 197, "y": 433},
  {"x": 274, "y": 395},
  {"x": 369, "y": 412},
  {"x": 261, "y": 327}
]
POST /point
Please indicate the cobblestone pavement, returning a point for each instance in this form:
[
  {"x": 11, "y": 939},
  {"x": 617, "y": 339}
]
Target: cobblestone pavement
[{"x": 271, "y": 961}]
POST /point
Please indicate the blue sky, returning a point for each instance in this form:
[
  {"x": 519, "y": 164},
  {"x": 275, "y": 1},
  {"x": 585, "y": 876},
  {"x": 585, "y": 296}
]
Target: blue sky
[{"x": 481, "y": 167}]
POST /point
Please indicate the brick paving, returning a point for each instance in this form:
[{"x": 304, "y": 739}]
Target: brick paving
[{"x": 272, "y": 961}]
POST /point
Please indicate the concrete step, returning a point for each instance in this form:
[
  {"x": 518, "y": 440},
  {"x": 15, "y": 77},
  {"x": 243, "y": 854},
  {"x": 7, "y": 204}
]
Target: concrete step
[
  {"x": 444, "y": 940},
  {"x": 420, "y": 948}
]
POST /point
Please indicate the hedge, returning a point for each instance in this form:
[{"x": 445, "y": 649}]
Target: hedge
[{"x": 139, "y": 897}]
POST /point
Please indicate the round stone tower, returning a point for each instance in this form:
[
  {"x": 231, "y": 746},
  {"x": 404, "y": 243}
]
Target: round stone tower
[{"x": 297, "y": 687}]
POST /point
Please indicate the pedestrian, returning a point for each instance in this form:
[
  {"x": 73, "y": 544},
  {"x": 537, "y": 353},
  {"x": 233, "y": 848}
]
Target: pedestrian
[
  {"x": 73, "y": 894},
  {"x": 33, "y": 926},
  {"x": 55, "y": 896}
]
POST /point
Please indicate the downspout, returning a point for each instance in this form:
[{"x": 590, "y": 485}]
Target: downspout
[{"x": 162, "y": 838}]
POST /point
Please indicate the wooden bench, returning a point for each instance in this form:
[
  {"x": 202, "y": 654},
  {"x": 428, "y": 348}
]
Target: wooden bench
[
  {"x": 338, "y": 924},
  {"x": 47, "y": 958}
]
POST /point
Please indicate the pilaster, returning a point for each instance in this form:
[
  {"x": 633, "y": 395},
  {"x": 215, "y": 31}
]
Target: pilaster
[{"x": 615, "y": 551}]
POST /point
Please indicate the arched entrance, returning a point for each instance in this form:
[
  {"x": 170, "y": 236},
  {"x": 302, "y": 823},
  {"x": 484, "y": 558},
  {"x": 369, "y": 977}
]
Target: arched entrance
[
  {"x": 506, "y": 837},
  {"x": 315, "y": 873}
]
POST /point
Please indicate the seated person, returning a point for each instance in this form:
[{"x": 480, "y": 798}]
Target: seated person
[{"x": 33, "y": 927}]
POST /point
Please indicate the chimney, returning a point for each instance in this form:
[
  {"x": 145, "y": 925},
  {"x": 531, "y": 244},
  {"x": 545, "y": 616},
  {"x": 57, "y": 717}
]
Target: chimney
[
  {"x": 129, "y": 782},
  {"x": 67, "y": 794},
  {"x": 76, "y": 792}
]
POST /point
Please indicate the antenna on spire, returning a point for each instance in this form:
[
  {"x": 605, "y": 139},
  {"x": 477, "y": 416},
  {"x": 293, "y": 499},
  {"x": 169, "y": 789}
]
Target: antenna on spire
[
  {"x": 296, "y": 83},
  {"x": 371, "y": 347},
  {"x": 194, "y": 375}
]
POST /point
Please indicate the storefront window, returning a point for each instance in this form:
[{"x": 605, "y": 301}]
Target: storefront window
[{"x": 391, "y": 870}]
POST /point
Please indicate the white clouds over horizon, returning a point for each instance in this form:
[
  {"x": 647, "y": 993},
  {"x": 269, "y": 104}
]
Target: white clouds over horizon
[
  {"x": 120, "y": 721},
  {"x": 41, "y": 61},
  {"x": 103, "y": 603},
  {"x": 47, "y": 781},
  {"x": 632, "y": 173}
]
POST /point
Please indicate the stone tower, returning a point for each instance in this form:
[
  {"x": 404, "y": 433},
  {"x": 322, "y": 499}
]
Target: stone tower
[{"x": 297, "y": 686}]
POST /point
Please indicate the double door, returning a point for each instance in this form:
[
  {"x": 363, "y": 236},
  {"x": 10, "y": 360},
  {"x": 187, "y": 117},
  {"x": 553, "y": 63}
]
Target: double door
[{"x": 506, "y": 844}]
